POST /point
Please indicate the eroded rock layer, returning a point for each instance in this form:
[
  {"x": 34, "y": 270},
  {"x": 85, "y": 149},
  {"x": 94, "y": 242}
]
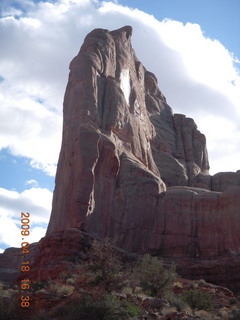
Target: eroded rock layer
[
  {"x": 132, "y": 170},
  {"x": 119, "y": 133}
]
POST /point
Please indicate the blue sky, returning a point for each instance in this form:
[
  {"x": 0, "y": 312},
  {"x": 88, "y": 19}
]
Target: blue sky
[
  {"x": 18, "y": 174},
  {"x": 193, "y": 48},
  {"x": 219, "y": 19}
]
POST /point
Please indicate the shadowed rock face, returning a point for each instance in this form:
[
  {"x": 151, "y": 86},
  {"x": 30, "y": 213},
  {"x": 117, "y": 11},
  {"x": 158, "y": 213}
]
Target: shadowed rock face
[
  {"x": 121, "y": 144},
  {"x": 132, "y": 170}
]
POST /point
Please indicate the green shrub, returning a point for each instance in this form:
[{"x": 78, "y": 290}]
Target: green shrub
[
  {"x": 104, "y": 308},
  {"x": 198, "y": 299},
  {"x": 154, "y": 278},
  {"x": 104, "y": 267},
  {"x": 176, "y": 301},
  {"x": 233, "y": 300},
  {"x": 131, "y": 309},
  {"x": 201, "y": 282},
  {"x": 36, "y": 286}
]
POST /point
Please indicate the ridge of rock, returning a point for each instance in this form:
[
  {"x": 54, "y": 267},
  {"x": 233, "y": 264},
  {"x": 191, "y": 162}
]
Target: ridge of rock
[
  {"x": 119, "y": 130},
  {"x": 130, "y": 169}
]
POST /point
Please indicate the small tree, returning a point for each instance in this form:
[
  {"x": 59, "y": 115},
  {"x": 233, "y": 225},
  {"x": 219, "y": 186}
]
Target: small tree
[
  {"x": 198, "y": 299},
  {"x": 105, "y": 266},
  {"x": 153, "y": 277}
]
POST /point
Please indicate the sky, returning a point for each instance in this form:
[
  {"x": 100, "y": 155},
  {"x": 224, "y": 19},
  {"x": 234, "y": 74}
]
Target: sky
[{"x": 192, "y": 46}]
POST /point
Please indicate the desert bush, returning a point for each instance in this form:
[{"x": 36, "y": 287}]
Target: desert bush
[
  {"x": 60, "y": 289},
  {"x": 8, "y": 305},
  {"x": 105, "y": 267},
  {"x": 38, "y": 285},
  {"x": 178, "y": 284},
  {"x": 168, "y": 310},
  {"x": 104, "y": 308},
  {"x": 223, "y": 313},
  {"x": 71, "y": 281},
  {"x": 235, "y": 313},
  {"x": 176, "y": 301},
  {"x": 233, "y": 300},
  {"x": 131, "y": 309},
  {"x": 198, "y": 299},
  {"x": 192, "y": 285},
  {"x": 204, "y": 315},
  {"x": 154, "y": 278},
  {"x": 201, "y": 282}
]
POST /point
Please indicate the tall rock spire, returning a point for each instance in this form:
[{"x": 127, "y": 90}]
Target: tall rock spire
[
  {"x": 116, "y": 120},
  {"x": 131, "y": 169}
]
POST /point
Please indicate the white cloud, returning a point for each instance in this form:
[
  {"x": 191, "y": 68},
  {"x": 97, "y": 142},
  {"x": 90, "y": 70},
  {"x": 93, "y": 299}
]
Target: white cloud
[
  {"x": 223, "y": 141},
  {"x": 31, "y": 182},
  {"x": 37, "y": 233},
  {"x": 36, "y": 201},
  {"x": 195, "y": 73}
]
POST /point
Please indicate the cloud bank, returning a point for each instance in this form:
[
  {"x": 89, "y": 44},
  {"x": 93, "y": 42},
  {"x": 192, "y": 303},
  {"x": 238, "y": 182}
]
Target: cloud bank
[{"x": 195, "y": 73}]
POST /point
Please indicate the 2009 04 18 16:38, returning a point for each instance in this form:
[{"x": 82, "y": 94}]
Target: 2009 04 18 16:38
[{"x": 25, "y": 265}]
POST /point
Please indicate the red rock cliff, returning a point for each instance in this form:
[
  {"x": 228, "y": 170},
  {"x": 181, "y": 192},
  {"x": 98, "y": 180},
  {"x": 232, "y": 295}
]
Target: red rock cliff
[
  {"x": 119, "y": 133},
  {"x": 131, "y": 169}
]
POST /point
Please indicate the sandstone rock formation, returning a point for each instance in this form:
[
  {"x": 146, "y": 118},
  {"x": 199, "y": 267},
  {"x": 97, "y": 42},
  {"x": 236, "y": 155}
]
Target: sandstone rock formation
[
  {"x": 225, "y": 180},
  {"x": 131, "y": 170},
  {"x": 11, "y": 262},
  {"x": 122, "y": 144}
]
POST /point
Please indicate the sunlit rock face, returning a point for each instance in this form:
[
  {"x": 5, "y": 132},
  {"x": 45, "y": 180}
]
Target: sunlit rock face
[{"x": 132, "y": 170}]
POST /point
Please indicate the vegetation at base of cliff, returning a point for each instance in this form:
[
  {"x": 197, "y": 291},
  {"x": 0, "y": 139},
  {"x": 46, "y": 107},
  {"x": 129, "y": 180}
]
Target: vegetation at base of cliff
[
  {"x": 154, "y": 278},
  {"x": 235, "y": 313},
  {"x": 105, "y": 286},
  {"x": 198, "y": 299},
  {"x": 8, "y": 308},
  {"x": 106, "y": 307},
  {"x": 104, "y": 267},
  {"x": 176, "y": 300}
]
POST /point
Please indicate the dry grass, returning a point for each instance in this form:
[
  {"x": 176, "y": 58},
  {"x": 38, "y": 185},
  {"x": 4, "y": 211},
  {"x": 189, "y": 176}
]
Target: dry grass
[
  {"x": 61, "y": 289},
  {"x": 167, "y": 310},
  {"x": 8, "y": 305},
  {"x": 178, "y": 284},
  {"x": 223, "y": 314},
  {"x": 201, "y": 282},
  {"x": 192, "y": 285},
  {"x": 71, "y": 281},
  {"x": 204, "y": 315}
]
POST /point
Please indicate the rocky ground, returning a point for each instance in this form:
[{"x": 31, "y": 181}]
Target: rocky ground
[{"x": 71, "y": 288}]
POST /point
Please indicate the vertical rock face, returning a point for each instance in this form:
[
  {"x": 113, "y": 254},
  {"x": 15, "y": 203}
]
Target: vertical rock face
[
  {"x": 121, "y": 141},
  {"x": 132, "y": 170}
]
